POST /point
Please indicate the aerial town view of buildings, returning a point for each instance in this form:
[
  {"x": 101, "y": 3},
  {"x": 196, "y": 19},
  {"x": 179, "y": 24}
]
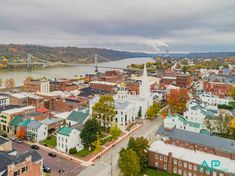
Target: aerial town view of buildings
[{"x": 102, "y": 93}]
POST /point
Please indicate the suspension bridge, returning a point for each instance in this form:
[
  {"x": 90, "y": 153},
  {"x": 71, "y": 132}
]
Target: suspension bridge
[{"x": 32, "y": 60}]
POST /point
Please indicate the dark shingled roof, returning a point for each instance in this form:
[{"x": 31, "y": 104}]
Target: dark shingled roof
[
  {"x": 219, "y": 143},
  {"x": 8, "y": 158}
]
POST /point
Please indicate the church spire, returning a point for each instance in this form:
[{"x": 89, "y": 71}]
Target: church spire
[{"x": 145, "y": 85}]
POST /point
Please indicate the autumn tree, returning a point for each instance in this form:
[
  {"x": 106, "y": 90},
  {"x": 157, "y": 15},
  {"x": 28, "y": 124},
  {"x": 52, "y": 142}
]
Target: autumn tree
[
  {"x": 129, "y": 163},
  {"x": 104, "y": 110},
  {"x": 20, "y": 132},
  {"x": 10, "y": 83},
  {"x": 177, "y": 100},
  {"x": 140, "y": 145},
  {"x": 97, "y": 143},
  {"x": 115, "y": 131}
]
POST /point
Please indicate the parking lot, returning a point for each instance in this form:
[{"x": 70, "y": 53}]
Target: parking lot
[{"x": 55, "y": 163}]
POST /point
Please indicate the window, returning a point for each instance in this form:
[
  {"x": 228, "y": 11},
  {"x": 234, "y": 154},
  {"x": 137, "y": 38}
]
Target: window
[
  {"x": 194, "y": 174},
  {"x": 156, "y": 156},
  {"x": 185, "y": 173},
  {"x": 17, "y": 173},
  {"x": 165, "y": 159},
  {"x": 161, "y": 157},
  {"x": 189, "y": 174},
  {"x": 208, "y": 171},
  {"x": 221, "y": 174},
  {"x": 180, "y": 163},
  {"x": 165, "y": 167},
  {"x": 201, "y": 169},
  {"x": 156, "y": 164},
  {"x": 179, "y": 171},
  {"x": 214, "y": 173},
  {"x": 175, "y": 170},
  {"x": 195, "y": 167},
  {"x": 24, "y": 169},
  {"x": 175, "y": 161},
  {"x": 190, "y": 166},
  {"x": 185, "y": 165}
]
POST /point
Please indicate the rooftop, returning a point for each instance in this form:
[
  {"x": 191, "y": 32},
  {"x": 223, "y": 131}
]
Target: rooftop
[
  {"x": 34, "y": 124},
  {"x": 16, "y": 110},
  {"x": 78, "y": 116},
  {"x": 196, "y": 157},
  {"x": 219, "y": 143},
  {"x": 65, "y": 131}
]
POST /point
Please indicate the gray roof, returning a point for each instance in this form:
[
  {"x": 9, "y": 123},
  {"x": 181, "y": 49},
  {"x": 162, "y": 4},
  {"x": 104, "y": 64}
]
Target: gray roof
[
  {"x": 222, "y": 144},
  {"x": 12, "y": 157},
  {"x": 78, "y": 127},
  {"x": 121, "y": 105},
  {"x": 221, "y": 79},
  {"x": 3, "y": 140},
  {"x": 34, "y": 124}
]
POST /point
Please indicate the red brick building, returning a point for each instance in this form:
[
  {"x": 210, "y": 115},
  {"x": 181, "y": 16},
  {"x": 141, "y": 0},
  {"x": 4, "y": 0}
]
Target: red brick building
[
  {"x": 62, "y": 85},
  {"x": 184, "y": 81},
  {"x": 182, "y": 152},
  {"x": 114, "y": 76},
  {"x": 103, "y": 86},
  {"x": 218, "y": 85},
  {"x": 23, "y": 164}
]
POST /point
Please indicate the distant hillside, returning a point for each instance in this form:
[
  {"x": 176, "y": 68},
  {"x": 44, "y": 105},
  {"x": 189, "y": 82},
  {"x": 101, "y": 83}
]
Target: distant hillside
[
  {"x": 203, "y": 55},
  {"x": 64, "y": 54}
]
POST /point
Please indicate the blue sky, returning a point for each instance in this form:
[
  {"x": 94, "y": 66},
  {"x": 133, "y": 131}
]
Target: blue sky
[{"x": 133, "y": 25}]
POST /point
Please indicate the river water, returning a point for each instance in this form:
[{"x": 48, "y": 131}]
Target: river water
[{"x": 66, "y": 72}]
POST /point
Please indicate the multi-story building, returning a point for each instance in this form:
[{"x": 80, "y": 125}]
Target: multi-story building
[
  {"x": 103, "y": 86},
  {"x": 37, "y": 85},
  {"x": 218, "y": 85},
  {"x": 192, "y": 154},
  {"x": 184, "y": 81},
  {"x": 7, "y": 115},
  {"x": 29, "y": 163},
  {"x": 112, "y": 76},
  {"x": 4, "y": 101},
  {"x": 69, "y": 137},
  {"x": 62, "y": 85},
  {"x": 37, "y": 131}
]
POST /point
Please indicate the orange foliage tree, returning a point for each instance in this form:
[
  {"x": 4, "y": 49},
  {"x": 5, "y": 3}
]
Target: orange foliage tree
[
  {"x": 177, "y": 100},
  {"x": 21, "y": 133}
]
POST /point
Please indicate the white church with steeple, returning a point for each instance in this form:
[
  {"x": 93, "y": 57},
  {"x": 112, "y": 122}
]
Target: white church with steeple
[{"x": 130, "y": 107}]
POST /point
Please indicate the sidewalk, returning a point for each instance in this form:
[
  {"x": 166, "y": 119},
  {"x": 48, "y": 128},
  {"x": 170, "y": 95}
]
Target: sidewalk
[{"x": 90, "y": 161}]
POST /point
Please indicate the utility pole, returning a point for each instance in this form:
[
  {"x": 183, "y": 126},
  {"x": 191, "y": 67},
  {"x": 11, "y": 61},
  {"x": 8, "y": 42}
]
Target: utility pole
[{"x": 111, "y": 165}]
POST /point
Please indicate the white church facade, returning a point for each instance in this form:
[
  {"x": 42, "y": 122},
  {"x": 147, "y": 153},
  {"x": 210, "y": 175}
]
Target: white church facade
[{"x": 130, "y": 107}]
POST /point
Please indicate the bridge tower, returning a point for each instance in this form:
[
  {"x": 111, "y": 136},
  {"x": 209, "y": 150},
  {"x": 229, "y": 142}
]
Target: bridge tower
[
  {"x": 29, "y": 61},
  {"x": 96, "y": 63}
]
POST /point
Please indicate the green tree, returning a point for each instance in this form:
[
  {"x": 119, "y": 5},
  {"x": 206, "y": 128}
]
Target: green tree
[
  {"x": 89, "y": 132},
  {"x": 140, "y": 145},
  {"x": 115, "y": 131},
  {"x": 153, "y": 110},
  {"x": 72, "y": 150},
  {"x": 104, "y": 110},
  {"x": 129, "y": 162},
  {"x": 97, "y": 143}
]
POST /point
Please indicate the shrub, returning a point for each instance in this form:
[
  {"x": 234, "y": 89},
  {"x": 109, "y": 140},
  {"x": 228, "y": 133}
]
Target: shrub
[
  {"x": 224, "y": 106},
  {"x": 72, "y": 150}
]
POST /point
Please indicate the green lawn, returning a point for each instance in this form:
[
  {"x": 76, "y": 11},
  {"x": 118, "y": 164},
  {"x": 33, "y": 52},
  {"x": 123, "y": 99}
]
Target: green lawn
[
  {"x": 50, "y": 141},
  {"x": 153, "y": 172},
  {"x": 84, "y": 152}
]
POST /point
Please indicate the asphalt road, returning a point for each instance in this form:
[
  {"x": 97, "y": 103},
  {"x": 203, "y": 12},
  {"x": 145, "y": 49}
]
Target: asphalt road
[
  {"x": 102, "y": 167},
  {"x": 57, "y": 163}
]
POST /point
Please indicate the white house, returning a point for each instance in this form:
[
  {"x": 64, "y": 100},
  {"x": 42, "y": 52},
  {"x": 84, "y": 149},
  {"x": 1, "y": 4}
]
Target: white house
[
  {"x": 130, "y": 107},
  {"x": 69, "y": 137},
  {"x": 4, "y": 101},
  {"x": 193, "y": 118},
  {"x": 213, "y": 101},
  {"x": 37, "y": 131}
]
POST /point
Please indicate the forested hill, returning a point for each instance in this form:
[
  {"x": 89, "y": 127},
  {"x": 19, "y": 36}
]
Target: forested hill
[{"x": 64, "y": 54}]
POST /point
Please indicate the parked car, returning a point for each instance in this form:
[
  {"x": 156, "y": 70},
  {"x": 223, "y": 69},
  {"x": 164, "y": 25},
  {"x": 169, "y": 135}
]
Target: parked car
[
  {"x": 52, "y": 154},
  {"x": 36, "y": 147},
  {"x": 18, "y": 141},
  {"x": 46, "y": 169},
  {"x": 4, "y": 135}
]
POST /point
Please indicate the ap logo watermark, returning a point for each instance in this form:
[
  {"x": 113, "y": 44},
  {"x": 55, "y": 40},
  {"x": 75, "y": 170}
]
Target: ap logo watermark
[{"x": 213, "y": 165}]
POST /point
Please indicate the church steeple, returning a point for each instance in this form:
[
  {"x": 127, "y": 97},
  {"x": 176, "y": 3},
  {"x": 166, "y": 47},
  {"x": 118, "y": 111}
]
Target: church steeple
[
  {"x": 145, "y": 85},
  {"x": 122, "y": 92}
]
